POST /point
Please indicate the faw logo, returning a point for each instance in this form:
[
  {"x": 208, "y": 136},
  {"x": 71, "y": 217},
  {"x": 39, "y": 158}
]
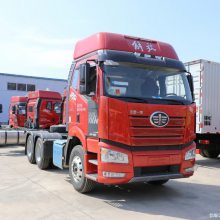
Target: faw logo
[{"x": 159, "y": 119}]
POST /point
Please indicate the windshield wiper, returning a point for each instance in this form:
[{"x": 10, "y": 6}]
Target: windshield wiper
[
  {"x": 131, "y": 97},
  {"x": 150, "y": 100},
  {"x": 179, "y": 102}
]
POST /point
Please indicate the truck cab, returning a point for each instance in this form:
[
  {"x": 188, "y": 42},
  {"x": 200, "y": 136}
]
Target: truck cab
[
  {"x": 17, "y": 111},
  {"x": 131, "y": 108},
  {"x": 43, "y": 109}
]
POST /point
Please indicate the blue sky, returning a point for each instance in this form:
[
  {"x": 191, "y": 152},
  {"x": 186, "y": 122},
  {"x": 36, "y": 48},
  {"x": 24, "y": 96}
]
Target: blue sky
[{"x": 37, "y": 37}]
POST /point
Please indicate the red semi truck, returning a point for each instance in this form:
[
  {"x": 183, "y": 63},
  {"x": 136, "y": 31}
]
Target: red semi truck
[
  {"x": 130, "y": 115},
  {"x": 17, "y": 111},
  {"x": 39, "y": 110},
  {"x": 43, "y": 109}
]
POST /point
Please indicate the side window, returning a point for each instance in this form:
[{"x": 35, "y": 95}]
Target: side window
[
  {"x": 49, "y": 106},
  {"x": 75, "y": 79},
  {"x": 92, "y": 80},
  {"x": 175, "y": 85},
  {"x": 30, "y": 87},
  {"x": 57, "y": 107},
  {"x": 30, "y": 108},
  {"x": 0, "y": 108},
  {"x": 11, "y": 86},
  {"x": 21, "y": 87}
]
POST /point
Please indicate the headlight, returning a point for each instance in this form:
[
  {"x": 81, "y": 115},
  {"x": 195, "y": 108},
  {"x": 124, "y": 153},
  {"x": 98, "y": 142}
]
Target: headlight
[
  {"x": 191, "y": 154},
  {"x": 111, "y": 156}
]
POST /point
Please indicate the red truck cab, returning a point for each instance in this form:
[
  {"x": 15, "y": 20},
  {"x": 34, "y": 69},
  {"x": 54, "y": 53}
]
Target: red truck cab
[
  {"x": 17, "y": 111},
  {"x": 131, "y": 109},
  {"x": 130, "y": 115},
  {"x": 43, "y": 109}
]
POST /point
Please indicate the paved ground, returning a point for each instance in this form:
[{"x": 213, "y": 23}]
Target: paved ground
[{"x": 29, "y": 193}]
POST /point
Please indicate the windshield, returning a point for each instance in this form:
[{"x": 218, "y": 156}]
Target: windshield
[
  {"x": 22, "y": 108},
  {"x": 142, "y": 83}
]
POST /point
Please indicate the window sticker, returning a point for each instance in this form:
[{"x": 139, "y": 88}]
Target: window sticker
[
  {"x": 118, "y": 91},
  {"x": 119, "y": 83}
]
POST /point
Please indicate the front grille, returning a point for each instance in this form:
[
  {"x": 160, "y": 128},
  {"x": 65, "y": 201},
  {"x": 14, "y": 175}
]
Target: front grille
[
  {"x": 143, "y": 133},
  {"x": 158, "y": 170}
]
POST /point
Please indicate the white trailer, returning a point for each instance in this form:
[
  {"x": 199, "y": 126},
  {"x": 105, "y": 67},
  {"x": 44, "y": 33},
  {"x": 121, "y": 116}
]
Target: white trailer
[{"x": 206, "y": 76}]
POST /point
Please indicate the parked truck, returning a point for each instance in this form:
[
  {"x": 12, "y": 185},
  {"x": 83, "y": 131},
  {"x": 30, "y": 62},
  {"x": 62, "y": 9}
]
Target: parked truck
[
  {"x": 17, "y": 111},
  {"x": 38, "y": 110},
  {"x": 206, "y": 75},
  {"x": 130, "y": 115},
  {"x": 43, "y": 109}
]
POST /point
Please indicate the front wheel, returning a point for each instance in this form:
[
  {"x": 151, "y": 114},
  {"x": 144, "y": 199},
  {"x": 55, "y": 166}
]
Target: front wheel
[
  {"x": 77, "y": 171},
  {"x": 158, "y": 182}
]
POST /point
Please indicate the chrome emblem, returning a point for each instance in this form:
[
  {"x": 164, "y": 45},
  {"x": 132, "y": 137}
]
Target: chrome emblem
[{"x": 159, "y": 119}]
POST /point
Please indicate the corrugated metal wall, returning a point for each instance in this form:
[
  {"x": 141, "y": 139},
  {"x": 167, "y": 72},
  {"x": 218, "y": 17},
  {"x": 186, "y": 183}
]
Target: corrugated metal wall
[
  {"x": 206, "y": 75},
  {"x": 211, "y": 97},
  {"x": 195, "y": 68}
]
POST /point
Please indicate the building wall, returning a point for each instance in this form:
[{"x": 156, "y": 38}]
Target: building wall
[{"x": 39, "y": 82}]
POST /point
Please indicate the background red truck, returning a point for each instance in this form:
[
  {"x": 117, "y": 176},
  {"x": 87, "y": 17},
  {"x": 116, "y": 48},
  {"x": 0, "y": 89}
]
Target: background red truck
[
  {"x": 130, "y": 115},
  {"x": 17, "y": 111},
  {"x": 43, "y": 109}
]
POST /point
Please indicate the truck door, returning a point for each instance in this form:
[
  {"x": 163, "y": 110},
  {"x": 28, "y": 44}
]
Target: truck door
[
  {"x": 45, "y": 113},
  {"x": 72, "y": 102}
]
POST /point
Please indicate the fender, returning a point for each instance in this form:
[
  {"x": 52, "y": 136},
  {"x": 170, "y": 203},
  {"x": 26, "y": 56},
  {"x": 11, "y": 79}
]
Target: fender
[
  {"x": 77, "y": 137},
  {"x": 78, "y": 133}
]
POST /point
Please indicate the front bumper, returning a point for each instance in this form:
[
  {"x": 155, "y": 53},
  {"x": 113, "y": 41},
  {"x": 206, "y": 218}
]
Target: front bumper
[
  {"x": 147, "y": 165},
  {"x": 156, "y": 177}
]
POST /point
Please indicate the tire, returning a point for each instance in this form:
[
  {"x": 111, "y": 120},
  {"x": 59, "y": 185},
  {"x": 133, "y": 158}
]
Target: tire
[
  {"x": 42, "y": 162},
  {"x": 58, "y": 128},
  {"x": 210, "y": 154},
  {"x": 158, "y": 182},
  {"x": 202, "y": 153},
  {"x": 77, "y": 172},
  {"x": 30, "y": 149}
]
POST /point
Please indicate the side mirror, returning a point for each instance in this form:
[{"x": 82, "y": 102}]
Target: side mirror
[
  {"x": 84, "y": 78},
  {"x": 190, "y": 80},
  {"x": 13, "y": 109},
  {"x": 57, "y": 108}
]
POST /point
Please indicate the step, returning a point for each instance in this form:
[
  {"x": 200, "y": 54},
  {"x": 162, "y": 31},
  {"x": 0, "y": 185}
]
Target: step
[
  {"x": 92, "y": 176},
  {"x": 95, "y": 162}
]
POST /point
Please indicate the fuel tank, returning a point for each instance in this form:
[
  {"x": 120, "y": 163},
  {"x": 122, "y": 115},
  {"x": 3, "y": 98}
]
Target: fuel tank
[{"x": 12, "y": 137}]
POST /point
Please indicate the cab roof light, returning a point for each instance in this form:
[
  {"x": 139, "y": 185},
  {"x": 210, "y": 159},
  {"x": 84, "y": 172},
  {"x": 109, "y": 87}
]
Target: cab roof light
[{"x": 139, "y": 38}]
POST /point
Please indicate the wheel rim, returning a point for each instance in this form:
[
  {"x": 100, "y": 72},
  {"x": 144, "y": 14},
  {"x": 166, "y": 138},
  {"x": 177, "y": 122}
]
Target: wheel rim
[
  {"x": 38, "y": 151},
  {"x": 29, "y": 147},
  {"x": 77, "y": 169}
]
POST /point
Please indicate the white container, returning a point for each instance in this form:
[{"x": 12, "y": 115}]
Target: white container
[{"x": 206, "y": 75}]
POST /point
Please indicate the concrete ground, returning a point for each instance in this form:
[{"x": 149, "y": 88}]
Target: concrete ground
[{"x": 29, "y": 193}]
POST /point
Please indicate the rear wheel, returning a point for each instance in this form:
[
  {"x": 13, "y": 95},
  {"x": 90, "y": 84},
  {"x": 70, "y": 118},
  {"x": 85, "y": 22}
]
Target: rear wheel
[
  {"x": 30, "y": 149},
  {"x": 42, "y": 162},
  {"x": 158, "y": 182},
  {"x": 209, "y": 153},
  {"x": 77, "y": 171}
]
